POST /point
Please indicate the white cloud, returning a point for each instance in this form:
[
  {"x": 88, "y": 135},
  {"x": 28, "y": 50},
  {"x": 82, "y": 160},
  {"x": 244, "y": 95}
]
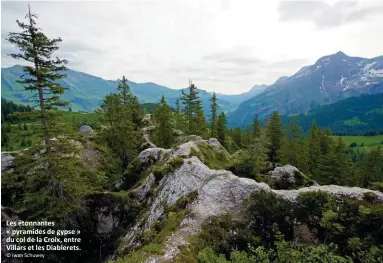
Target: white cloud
[{"x": 224, "y": 45}]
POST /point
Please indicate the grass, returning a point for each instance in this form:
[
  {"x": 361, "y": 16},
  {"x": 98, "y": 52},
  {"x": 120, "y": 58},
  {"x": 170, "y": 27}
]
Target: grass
[
  {"x": 213, "y": 159},
  {"x": 69, "y": 117},
  {"x": 368, "y": 141}
]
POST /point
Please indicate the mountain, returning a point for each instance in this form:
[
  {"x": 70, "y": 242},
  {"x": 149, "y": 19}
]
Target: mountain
[
  {"x": 353, "y": 115},
  {"x": 86, "y": 92},
  {"x": 330, "y": 79}
]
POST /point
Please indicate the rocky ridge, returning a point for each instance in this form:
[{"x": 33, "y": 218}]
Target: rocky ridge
[{"x": 219, "y": 191}]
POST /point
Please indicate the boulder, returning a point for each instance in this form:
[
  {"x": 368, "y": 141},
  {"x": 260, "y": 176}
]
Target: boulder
[
  {"x": 286, "y": 177},
  {"x": 86, "y": 130},
  {"x": 6, "y": 160}
]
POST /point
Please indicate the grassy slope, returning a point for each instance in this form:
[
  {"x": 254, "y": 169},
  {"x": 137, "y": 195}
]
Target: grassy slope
[{"x": 368, "y": 141}]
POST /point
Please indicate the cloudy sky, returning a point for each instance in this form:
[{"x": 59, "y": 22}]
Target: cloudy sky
[{"x": 225, "y": 46}]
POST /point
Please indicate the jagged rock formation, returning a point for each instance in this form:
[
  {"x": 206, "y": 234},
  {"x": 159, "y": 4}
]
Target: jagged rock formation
[{"x": 219, "y": 191}]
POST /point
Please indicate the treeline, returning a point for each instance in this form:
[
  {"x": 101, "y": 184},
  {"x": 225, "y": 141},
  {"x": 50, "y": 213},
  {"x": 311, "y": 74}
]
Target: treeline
[
  {"x": 353, "y": 116},
  {"x": 9, "y": 107}
]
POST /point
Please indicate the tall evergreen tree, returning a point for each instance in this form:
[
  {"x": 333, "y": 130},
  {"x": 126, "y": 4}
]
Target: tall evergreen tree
[
  {"x": 50, "y": 174},
  {"x": 194, "y": 111},
  {"x": 221, "y": 128},
  {"x": 258, "y": 152},
  {"x": 274, "y": 131},
  {"x": 256, "y": 126},
  {"x": 293, "y": 149},
  {"x": 180, "y": 121},
  {"x": 213, "y": 115},
  {"x": 370, "y": 168},
  {"x": 163, "y": 118},
  {"x": 42, "y": 73},
  {"x": 247, "y": 137},
  {"x": 124, "y": 90},
  {"x": 314, "y": 149},
  {"x": 237, "y": 136},
  {"x": 122, "y": 112}
]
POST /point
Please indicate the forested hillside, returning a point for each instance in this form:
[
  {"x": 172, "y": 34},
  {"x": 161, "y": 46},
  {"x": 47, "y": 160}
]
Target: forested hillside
[{"x": 356, "y": 115}]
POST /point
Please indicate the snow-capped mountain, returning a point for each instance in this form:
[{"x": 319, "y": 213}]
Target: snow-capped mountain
[{"x": 330, "y": 79}]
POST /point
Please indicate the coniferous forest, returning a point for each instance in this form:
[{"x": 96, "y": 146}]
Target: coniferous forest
[{"x": 169, "y": 183}]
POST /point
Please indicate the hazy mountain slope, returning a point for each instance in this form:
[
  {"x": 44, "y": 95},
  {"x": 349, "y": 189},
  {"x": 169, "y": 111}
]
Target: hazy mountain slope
[
  {"x": 86, "y": 92},
  {"x": 330, "y": 79}
]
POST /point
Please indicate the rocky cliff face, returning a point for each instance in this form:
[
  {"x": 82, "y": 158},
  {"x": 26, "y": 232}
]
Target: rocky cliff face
[{"x": 216, "y": 191}]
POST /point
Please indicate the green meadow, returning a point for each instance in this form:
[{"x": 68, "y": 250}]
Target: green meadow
[{"x": 363, "y": 142}]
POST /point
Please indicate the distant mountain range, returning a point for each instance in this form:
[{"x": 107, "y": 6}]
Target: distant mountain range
[
  {"x": 353, "y": 115},
  {"x": 86, "y": 92},
  {"x": 330, "y": 79}
]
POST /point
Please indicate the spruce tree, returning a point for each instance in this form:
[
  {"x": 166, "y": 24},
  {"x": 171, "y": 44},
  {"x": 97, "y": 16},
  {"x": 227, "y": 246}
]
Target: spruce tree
[
  {"x": 163, "y": 118},
  {"x": 274, "y": 131},
  {"x": 42, "y": 72},
  {"x": 258, "y": 152},
  {"x": 194, "y": 112},
  {"x": 247, "y": 137},
  {"x": 221, "y": 128},
  {"x": 256, "y": 126},
  {"x": 314, "y": 149},
  {"x": 121, "y": 134},
  {"x": 293, "y": 149},
  {"x": 53, "y": 179},
  {"x": 180, "y": 121},
  {"x": 237, "y": 136},
  {"x": 129, "y": 100},
  {"x": 213, "y": 115},
  {"x": 124, "y": 90},
  {"x": 370, "y": 168}
]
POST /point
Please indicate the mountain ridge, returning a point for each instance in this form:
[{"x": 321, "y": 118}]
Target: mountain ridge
[
  {"x": 86, "y": 91},
  {"x": 331, "y": 78}
]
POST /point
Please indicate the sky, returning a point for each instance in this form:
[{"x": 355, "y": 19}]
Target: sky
[{"x": 226, "y": 46}]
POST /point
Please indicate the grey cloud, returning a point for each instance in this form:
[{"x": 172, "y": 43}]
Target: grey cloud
[
  {"x": 237, "y": 55},
  {"x": 288, "y": 64},
  {"x": 325, "y": 15}
]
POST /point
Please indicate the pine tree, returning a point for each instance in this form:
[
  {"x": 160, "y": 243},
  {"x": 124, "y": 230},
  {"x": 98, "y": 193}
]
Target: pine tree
[
  {"x": 237, "y": 136},
  {"x": 370, "y": 168},
  {"x": 274, "y": 131},
  {"x": 194, "y": 112},
  {"x": 293, "y": 150},
  {"x": 314, "y": 149},
  {"x": 343, "y": 163},
  {"x": 221, "y": 128},
  {"x": 42, "y": 75},
  {"x": 50, "y": 173},
  {"x": 163, "y": 117},
  {"x": 130, "y": 100},
  {"x": 180, "y": 121},
  {"x": 259, "y": 152},
  {"x": 124, "y": 90},
  {"x": 121, "y": 135},
  {"x": 213, "y": 115},
  {"x": 247, "y": 137},
  {"x": 256, "y": 126}
]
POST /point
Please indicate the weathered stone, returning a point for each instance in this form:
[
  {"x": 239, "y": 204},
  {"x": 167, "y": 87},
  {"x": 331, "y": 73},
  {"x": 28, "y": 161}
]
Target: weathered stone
[
  {"x": 6, "y": 160},
  {"x": 86, "y": 130},
  {"x": 219, "y": 191}
]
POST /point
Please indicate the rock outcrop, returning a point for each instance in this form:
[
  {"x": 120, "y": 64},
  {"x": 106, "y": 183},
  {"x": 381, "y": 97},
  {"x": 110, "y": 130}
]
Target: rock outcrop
[
  {"x": 6, "y": 160},
  {"x": 219, "y": 191},
  {"x": 85, "y": 130}
]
